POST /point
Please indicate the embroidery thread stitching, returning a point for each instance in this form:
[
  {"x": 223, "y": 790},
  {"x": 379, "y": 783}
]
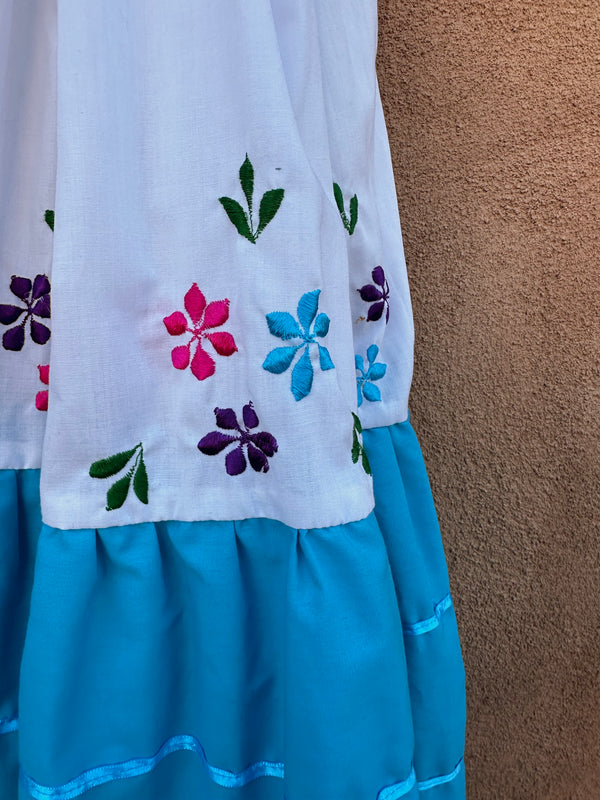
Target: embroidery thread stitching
[
  {"x": 364, "y": 381},
  {"x": 110, "y": 466},
  {"x": 260, "y": 446},
  {"x": 205, "y": 318},
  {"x": 36, "y": 297},
  {"x": 41, "y": 398},
  {"x": 283, "y": 325},
  {"x": 378, "y": 295},
  {"x": 349, "y": 224},
  {"x": 268, "y": 207},
  {"x": 358, "y": 450}
]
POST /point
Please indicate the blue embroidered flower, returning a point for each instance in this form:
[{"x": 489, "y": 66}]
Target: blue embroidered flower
[
  {"x": 283, "y": 325},
  {"x": 364, "y": 381}
]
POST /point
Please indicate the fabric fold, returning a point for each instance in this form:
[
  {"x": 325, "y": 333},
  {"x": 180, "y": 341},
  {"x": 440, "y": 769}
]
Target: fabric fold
[{"x": 265, "y": 644}]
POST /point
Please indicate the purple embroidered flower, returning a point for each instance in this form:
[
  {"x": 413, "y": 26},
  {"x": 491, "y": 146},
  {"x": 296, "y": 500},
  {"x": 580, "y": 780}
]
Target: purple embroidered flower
[
  {"x": 364, "y": 384},
  {"x": 259, "y": 446},
  {"x": 377, "y": 294},
  {"x": 36, "y": 297}
]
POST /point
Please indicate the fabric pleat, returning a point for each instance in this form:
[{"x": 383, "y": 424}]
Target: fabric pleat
[{"x": 234, "y": 660}]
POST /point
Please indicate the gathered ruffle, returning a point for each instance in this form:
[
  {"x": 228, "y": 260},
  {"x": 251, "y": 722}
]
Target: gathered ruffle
[{"x": 239, "y": 659}]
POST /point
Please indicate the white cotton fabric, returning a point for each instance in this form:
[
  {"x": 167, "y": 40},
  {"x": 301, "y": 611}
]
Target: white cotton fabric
[
  {"x": 157, "y": 105},
  {"x": 27, "y": 171}
]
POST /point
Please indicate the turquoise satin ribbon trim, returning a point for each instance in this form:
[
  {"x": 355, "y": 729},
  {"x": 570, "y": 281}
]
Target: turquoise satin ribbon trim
[
  {"x": 398, "y": 789},
  {"x": 433, "y": 782},
  {"x": 8, "y": 725},
  {"x": 230, "y": 780},
  {"x": 426, "y": 625},
  {"x": 140, "y": 766},
  {"x": 403, "y": 788}
]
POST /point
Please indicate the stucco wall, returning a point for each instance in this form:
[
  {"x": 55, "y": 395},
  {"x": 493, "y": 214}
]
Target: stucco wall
[{"x": 493, "y": 109}]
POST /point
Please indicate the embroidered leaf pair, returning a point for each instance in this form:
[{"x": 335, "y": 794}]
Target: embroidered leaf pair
[
  {"x": 358, "y": 450},
  {"x": 349, "y": 222},
  {"x": 268, "y": 207},
  {"x": 259, "y": 446},
  {"x": 283, "y": 325},
  {"x": 108, "y": 467}
]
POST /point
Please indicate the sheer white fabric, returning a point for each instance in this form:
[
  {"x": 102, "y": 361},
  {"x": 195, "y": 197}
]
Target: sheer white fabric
[{"x": 145, "y": 113}]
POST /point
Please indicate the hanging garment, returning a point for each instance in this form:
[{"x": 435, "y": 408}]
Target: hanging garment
[{"x": 222, "y": 573}]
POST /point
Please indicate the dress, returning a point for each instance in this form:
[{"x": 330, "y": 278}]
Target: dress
[{"x": 221, "y": 572}]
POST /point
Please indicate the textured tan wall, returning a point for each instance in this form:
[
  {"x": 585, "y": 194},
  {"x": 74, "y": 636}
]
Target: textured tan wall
[{"x": 493, "y": 110}]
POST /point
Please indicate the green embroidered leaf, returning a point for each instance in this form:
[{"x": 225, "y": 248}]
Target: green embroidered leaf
[
  {"x": 365, "y": 463},
  {"x": 111, "y": 465},
  {"x": 49, "y": 217},
  {"x": 140, "y": 482},
  {"x": 247, "y": 181},
  {"x": 358, "y": 450},
  {"x": 339, "y": 199},
  {"x": 238, "y": 217},
  {"x": 269, "y": 206},
  {"x": 117, "y": 494},
  {"x": 355, "y": 447},
  {"x": 353, "y": 214}
]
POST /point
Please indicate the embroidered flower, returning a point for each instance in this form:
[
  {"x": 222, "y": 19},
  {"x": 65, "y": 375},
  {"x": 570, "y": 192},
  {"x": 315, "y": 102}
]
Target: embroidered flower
[
  {"x": 283, "y": 325},
  {"x": 358, "y": 450},
  {"x": 36, "y": 297},
  {"x": 364, "y": 381},
  {"x": 204, "y": 319},
  {"x": 378, "y": 296},
  {"x": 107, "y": 467},
  {"x": 41, "y": 398},
  {"x": 259, "y": 446}
]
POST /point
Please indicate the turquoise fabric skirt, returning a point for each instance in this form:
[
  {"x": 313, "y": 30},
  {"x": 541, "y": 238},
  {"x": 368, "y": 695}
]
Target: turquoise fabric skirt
[{"x": 241, "y": 660}]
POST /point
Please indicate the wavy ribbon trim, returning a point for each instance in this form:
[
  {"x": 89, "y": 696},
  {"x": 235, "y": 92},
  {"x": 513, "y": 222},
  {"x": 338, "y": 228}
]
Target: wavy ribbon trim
[
  {"x": 398, "y": 789},
  {"x": 230, "y": 780},
  {"x": 141, "y": 766},
  {"x": 403, "y": 788},
  {"x": 433, "y": 782},
  {"x": 426, "y": 625},
  {"x": 8, "y": 725}
]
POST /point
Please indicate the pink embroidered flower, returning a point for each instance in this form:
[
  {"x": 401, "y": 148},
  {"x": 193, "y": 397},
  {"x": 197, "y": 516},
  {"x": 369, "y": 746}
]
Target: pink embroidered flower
[
  {"x": 41, "y": 398},
  {"x": 204, "y": 319}
]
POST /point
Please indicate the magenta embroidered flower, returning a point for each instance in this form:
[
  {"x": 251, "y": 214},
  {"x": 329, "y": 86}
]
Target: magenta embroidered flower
[
  {"x": 205, "y": 317},
  {"x": 41, "y": 398},
  {"x": 377, "y": 293},
  {"x": 259, "y": 446},
  {"x": 36, "y": 297}
]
